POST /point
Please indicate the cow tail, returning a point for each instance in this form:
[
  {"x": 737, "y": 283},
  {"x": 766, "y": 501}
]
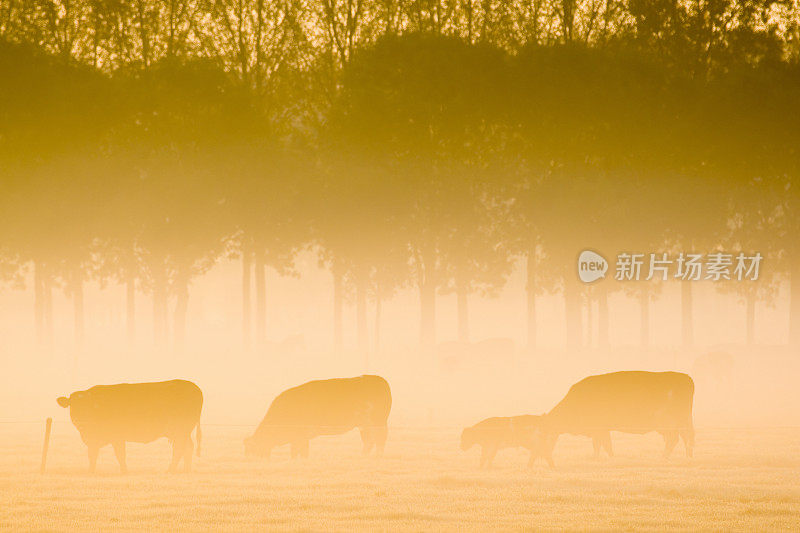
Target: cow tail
[{"x": 199, "y": 436}]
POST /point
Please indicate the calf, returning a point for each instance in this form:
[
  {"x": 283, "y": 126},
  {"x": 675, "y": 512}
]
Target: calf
[{"x": 496, "y": 433}]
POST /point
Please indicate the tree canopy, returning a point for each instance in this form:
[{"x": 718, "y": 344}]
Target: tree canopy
[{"x": 410, "y": 144}]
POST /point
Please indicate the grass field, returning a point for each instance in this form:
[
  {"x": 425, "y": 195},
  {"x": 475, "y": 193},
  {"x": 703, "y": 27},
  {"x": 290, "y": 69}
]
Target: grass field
[{"x": 738, "y": 480}]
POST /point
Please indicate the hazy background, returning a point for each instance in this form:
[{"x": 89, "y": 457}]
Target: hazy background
[
  {"x": 430, "y": 389},
  {"x": 252, "y": 195}
]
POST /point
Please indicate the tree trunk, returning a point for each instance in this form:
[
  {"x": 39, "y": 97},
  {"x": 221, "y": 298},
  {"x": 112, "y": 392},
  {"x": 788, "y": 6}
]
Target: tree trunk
[
  {"x": 181, "y": 307},
  {"x": 644, "y": 301},
  {"x": 164, "y": 304},
  {"x": 47, "y": 314},
  {"x": 687, "y": 321},
  {"x": 530, "y": 289},
  {"x": 751, "y": 318},
  {"x": 261, "y": 299},
  {"x": 794, "y": 300},
  {"x": 589, "y": 319},
  {"x": 246, "y": 307},
  {"x": 130, "y": 305},
  {"x": 158, "y": 332},
  {"x": 427, "y": 322},
  {"x": 38, "y": 301},
  {"x": 338, "y": 303},
  {"x": 602, "y": 317},
  {"x": 160, "y": 304},
  {"x": 572, "y": 309},
  {"x": 463, "y": 313},
  {"x": 361, "y": 315},
  {"x": 77, "y": 306},
  {"x": 378, "y": 302}
]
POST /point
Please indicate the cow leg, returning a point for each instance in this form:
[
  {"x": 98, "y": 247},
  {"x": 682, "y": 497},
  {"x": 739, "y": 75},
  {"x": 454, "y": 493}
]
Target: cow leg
[
  {"x": 532, "y": 458},
  {"x": 177, "y": 453},
  {"x": 119, "y": 451},
  {"x": 487, "y": 455},
  {"x": 304, "y": 449},
  {"x": 549, "y": 444},
  {"x": 596, "y": 447},
  {"x": 688, "y": 440},
  {"x": 548, "y": 456},
  {"x": 379, "y": 435},
  {"x": 188, "y": 450},
  {"x": 367, "y": 438},
  {"x": 94, "y": 450},
  {"x": 606, "y": 442},
  {"x": 540, "y": 451},
  {"x": 492, "y": 453},
  {"x": 299, "y": 448},
  {"x": 670, "y": 440}
]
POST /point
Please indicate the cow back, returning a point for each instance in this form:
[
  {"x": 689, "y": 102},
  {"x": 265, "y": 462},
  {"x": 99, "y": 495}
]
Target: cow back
[
  {"x": 634, "y": 401},
  {"x": 331, "y": 406},
  {"x": 138, "y": 412}
]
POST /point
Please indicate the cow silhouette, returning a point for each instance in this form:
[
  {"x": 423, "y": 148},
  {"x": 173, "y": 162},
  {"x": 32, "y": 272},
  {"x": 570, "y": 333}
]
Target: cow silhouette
[
  {"x": 630, "y": 402},
  {"x": 137, "y": 412},
  {"x": 325, "y": 407},
  {"x": 497, "y": 433}
]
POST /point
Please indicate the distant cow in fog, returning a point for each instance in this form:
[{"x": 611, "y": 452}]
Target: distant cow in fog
[
  {"x": 714, "y": 367},
  {"x": 498, "y": 351},
  {"x": 631, "y": 402},
  {"x": 325, "y": 407},
  {"x": 497, "y": 433},
  {"x": 293, "y": 344},
  {"x": 138, "y": 412},
  {"x": 290, "y": 346}
]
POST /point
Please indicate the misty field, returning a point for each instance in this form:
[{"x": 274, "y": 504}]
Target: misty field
[{"x": 739, "y": 479}]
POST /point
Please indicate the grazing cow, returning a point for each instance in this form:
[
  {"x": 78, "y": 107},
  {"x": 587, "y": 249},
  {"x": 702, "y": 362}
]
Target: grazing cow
[
  {"x": 325, "y": 407},
  {"x": 631, "y": 402},
  {"x": 497, "y": 433},
  {"x": 137, "y": 412}
]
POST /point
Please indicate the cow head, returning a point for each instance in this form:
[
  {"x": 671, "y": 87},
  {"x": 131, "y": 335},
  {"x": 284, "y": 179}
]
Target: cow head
[
  {"x": 467, "y": 439},
  {"x": 80, "y": 407}
]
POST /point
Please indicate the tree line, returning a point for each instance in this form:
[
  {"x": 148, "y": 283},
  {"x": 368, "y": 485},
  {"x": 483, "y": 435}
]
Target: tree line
[{"x": 426, "y": 144}]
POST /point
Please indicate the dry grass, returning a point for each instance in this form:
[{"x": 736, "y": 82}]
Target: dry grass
[{"x": 739, "y": 480}]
